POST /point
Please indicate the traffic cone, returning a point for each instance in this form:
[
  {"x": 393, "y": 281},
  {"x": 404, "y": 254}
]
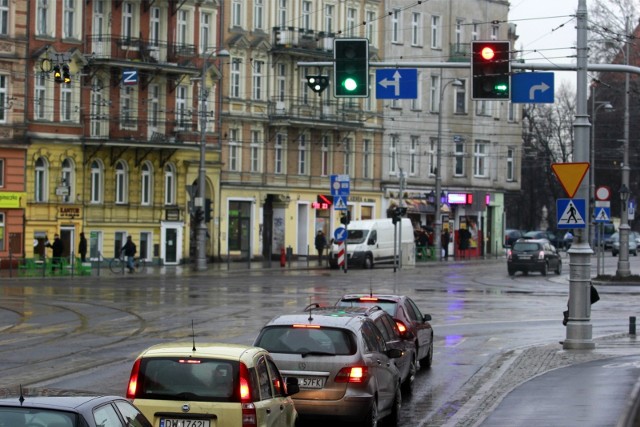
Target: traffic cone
[{"x": 283, "y": 258}]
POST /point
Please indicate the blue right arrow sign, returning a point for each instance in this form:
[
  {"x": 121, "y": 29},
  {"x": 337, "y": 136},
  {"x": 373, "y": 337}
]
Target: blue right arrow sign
[{"x": 532, "y": 88}]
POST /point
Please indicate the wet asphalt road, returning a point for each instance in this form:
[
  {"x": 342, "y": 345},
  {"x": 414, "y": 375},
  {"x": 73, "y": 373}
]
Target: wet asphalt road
[{"x": 83, "y": 334}]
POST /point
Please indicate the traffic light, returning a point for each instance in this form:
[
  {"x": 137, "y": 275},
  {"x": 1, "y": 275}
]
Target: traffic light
[
  {"x": 491, "y": 69},
  {"x": 345, "y": 218},
  {"x": 66, "y": 74},
  {"x": 207, "y": 210},
  {"x": 318, "y": 83},
  {"x": 199, "y": 215},
  {"x": 398, "y": 213},
  {"x": 57, "y": 74},
  {"x": 351, "y": 68}
]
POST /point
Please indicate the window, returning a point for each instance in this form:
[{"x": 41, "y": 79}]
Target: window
[
  {"x": 154, "y": 107},
  {"x": 154, "y": 26},
  {"x": 475, "y": 31},
  {"x": 414, "y": 153},
  {"x": 348, "y": 152},
  {"x": 4, "y": 83},
  {"x": 352, "y": 18},
  {"x": 106, "y": 416},
  {"x": 181, "y": 30},
  {"x": 127, "y": 22},
  {"x": 145, "y": 245},
  {"x": 235, "y": 148},
  {"x": 510, "y": 164},
  {"x": 97, "y": 177},
  {"x": 482, "y": 107},
  {"x": 393, "y": 147},
  {"x": 416, "y": 29},
  {"x": 302, "y": 155},
  {"x": 258, "y": 14},
  {"x": 69, "y": 18},
  {"x": 460, "y": 98},
  {"x": 40, "y": 98},
  {"x": 4, "y": 17},
  {"x": 370, "y": 28},
  {"x": 328, "y": 18},
  {"x": 146, "y": 184},
  {"x": 279, "y": 154},
  {"x": 367, "y": 158},
  {"x": 65, "y": 103},
  {"x": 44, "y": 18},
  {"x": 306, "y": 15},
  {"x": 68, "y": 179},
  {"x": 459, "y": 158},
  {"x": 432, "y": 155},
  {"x": 395, "y": 26},
  {"x": 127, "y": 118},
  {"x": 435, "y": 32},
  {"x": 480, "y": 159},
  {"x": 459, "y": 35},
  {"x": 41, "y": 181},
  {"x": 236, "y": 13},
  {"x": 283, "y": 22},
  {"x": 263, "y": 380},
  {"x": 1, "y": 173},
  {"x": 255, "y": 151},
  {"x": 181, "y": 107},
  {"x": 495, "y": 32},
  {"x": 95, "y": 244},
  {"x": 169, "y": 184},
  {"x": 258, "y": 69},
  {"x": 98, "y": 106},
  {"x": 205, "y": 32},
  {"x": 122, "y": 182},
  {"x": 281, "y": 79},
  {"x": 434, "y": 105},
  {"x": 235, "y": 79},
  {"x": 324, "y": 150}
]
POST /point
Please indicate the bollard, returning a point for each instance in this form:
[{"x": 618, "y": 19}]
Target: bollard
[{"x": 632, "y": 325}]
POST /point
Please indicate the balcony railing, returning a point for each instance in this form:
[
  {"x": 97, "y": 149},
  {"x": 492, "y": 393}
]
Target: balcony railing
[
  {"x": 291, "y": 37},
  {"x": 145, "y": 50},
  {"x": 311, "y": 109}
]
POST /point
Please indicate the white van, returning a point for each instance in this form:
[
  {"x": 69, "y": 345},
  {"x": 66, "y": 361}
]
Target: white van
[{"x": 371, "y": 242}]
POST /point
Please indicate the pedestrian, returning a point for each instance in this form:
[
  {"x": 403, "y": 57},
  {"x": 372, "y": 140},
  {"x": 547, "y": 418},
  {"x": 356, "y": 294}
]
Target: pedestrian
[
  {"x": 82, "y": 248},
  {"x": 58, "y": 248},
  {"x": 320, "y": 244},
  {"x": 129, "y": 250},
  {"x": 446, "y": 237}
]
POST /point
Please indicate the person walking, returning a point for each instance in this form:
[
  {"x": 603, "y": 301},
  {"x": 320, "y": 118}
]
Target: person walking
[
  {"x": 129, "y": 249},
  {"x": 58, "y": 248},
  {"x": 320, "y": 244},
  {"x": 82, "y": 248},
  {"x": 446, "y": 237}
]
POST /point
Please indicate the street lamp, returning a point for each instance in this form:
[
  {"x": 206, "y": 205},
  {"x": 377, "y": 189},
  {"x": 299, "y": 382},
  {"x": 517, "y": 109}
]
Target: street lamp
[
  {"x": 623, "y": 257},
  {"x": 438, "y": 227},
  {"x": 200, "y": 214}
]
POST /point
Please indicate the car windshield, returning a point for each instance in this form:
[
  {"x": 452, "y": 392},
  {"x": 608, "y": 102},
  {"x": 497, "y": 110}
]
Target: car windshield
[
  {"x": 307, "y": 341},
  {"x": 356, "y": 236},
  {"x": 24, "y": 417},
  {"x": 388, "y": 306},
  {"x": 525, "y": 246},
  {"x": 175, "y": 378}
]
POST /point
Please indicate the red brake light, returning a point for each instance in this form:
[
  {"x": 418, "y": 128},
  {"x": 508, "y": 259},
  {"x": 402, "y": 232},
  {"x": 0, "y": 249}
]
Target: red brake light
[
  {"x": 368, "y": 299},
  {"x": 541, "y": 255},
  {"x": 190, "y": 361},
  {"x": 352, "y": 374},
  {"x": 249, "y": 415},
  {"x": 401, "y": 327},
  {"x": 306, "y": 326},
  {"x": 133, "y": 380},
  {"x": 245, "y": 385}
]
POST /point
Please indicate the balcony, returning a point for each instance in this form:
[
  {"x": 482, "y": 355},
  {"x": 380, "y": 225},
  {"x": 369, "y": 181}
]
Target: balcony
[
  {"x": 310, "y": 111},
  {"x": 302, "y": 41},
  {"x": 460, "y": 52},
  {"x": 140, "y": 50}
]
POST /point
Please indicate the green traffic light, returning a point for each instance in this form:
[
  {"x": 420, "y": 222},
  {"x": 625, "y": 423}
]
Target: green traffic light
[
  {"x": 350, "y": 84},
  {"x": 501, "y": 87}
]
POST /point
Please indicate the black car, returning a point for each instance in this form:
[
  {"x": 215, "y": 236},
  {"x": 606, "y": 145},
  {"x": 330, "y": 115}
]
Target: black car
[
  {"x": 510, "y": 236},
  {"x": 70, "y": 411},
  {"x": 533, "y": 255}
]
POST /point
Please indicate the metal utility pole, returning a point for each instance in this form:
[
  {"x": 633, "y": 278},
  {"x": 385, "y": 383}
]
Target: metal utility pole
[
  {"x": 579, "y": 328},
  {"x": 624, "y": 269}
]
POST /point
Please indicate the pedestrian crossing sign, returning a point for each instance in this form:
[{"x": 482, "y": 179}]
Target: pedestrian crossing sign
[
  {"x": 571, "y": 213},
  {"x": 340, "y": 203},
  {"x": 602, "y": 215}
]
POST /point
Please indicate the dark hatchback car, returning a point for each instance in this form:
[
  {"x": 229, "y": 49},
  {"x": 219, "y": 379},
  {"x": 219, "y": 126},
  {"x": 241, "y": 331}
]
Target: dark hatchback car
[
  {"x": 511, "y": 236},
  {"x": 70, "y": 411},
  {"x": 412, "y": 324},
  {"x": 533, "y": 255}
]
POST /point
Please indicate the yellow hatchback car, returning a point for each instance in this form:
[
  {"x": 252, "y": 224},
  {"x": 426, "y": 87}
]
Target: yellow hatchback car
[{"x": 211, "y": 385}]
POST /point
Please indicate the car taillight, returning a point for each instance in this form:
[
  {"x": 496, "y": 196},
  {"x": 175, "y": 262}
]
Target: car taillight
[
  {"x": 508, "y": 253},
  {"x": 374, "y": 299},
  {"x": 249, "y": 416},
  {"x": 541, "y": 255},
  {"x": 401, "y": 328},
  {"x": 133, "y": 380},
  {"x": 352, "y": 374}
]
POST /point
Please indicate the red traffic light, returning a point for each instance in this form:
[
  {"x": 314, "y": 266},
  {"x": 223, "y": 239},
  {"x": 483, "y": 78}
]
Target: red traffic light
[{"x": 487, "y": 53}]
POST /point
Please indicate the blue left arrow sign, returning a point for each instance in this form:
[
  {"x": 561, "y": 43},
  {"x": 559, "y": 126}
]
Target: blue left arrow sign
[{"x": 397, "y": 83}]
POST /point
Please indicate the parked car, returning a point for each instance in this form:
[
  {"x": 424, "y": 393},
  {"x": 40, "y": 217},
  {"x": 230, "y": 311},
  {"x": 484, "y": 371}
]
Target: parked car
[
  {"x": 211, "y": 384},
  {"x": 412, "y": 324},
  {"x": 342, "y": 362},
  {"x": 533, "y": 255},
  {"x": 70, "y": 411},
  {"x": 510, "y": 236},
  {"x": 556, "y": 239},
  {"x": 615, "y": 243}
]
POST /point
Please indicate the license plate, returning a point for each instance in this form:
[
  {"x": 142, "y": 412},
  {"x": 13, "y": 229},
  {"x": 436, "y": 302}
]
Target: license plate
[
  {"x": 311, "y": 382},
  {"x": 174, "y": 422},
  {"x": 524, "y": 256}
]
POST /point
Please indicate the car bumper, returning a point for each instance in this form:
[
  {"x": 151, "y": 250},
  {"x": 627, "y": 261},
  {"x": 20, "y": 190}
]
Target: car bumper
[
  {"x": 526, "y": 265},
  {"x": 348, "y": 408}
]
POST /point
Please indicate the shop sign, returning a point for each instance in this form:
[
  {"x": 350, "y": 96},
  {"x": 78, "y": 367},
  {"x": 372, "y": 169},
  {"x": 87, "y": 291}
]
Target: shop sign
[
  {"x": 172, "y": 215},
  {"x": 68, "y": 212},
  {"x": 10, "y": 199}
]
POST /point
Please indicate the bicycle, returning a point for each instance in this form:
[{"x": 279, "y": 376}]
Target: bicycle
[{"x": 118, "y": 265}]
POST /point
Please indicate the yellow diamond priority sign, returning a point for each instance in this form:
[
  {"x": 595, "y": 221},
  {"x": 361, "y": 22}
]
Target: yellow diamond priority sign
[{"x": 570, "y": 175}]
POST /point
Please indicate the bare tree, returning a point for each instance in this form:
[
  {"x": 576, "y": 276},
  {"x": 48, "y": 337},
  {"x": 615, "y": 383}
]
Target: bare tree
[{"x": 609, "y": 29}]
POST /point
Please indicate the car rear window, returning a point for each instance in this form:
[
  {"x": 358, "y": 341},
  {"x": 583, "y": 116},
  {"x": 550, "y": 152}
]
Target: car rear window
[
  {"x": 206, "y": 380},
  {"x": 23, "y": 417},
  {"x": 306, "y": 340},
  {"x": 388, "y": 306},
  {"x": 525, "y": 246}
]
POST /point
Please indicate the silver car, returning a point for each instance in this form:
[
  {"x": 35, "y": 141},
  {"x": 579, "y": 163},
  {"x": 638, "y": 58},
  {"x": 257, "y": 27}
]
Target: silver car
[
  {"x": 343, "y": 365},
  {"x": 633, "y": 243}
]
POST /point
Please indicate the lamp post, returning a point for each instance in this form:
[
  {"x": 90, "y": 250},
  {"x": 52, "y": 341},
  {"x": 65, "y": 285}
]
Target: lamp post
[
  {"x": 438, "y": 227},
  {"x": 623, "y": 258},
  {"x": 201, "y": 230}
]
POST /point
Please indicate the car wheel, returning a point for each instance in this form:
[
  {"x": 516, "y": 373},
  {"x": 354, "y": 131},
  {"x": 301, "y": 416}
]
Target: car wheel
[
  {"x": 407, "y": 385},
  {"x": 368, "y": 262},
  {"x": 371, "y": 419},
  {"x": 394, "y": 417},
  {"x": 544, "y": 269},
  {"x": 559, "y": 267},
  {"x": 425, "y": 362},
  {"x": 511, "y": 271}
]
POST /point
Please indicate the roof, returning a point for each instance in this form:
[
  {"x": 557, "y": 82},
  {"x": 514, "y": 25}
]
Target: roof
[
  {"x": 337, "y": 317},
  {"x": 203, "y": 349},
  {"x": 58, "y": 402}
]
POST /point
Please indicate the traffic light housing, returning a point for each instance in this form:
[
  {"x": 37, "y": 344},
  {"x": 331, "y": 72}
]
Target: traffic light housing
[
  {"x": 199, "y": 215},
  {"x": 57, "y": 74},
  {"x": 398, "y": 213},
  {"x": 351, "y": 68},
  {"x": 66, "y": 74},
  {"x": 345, "y": 218},
  {"x": 491, "y": 69},
  {"x": 207, "y": 210},
  {"x": 318, "y": 83}
]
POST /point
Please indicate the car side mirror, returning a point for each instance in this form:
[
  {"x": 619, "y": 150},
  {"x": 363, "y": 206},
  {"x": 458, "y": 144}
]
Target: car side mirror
[
  {"x": 292, "y": 386},
  {"x": 394, "y": 353},
  {"x": 426, "y": 317}
]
